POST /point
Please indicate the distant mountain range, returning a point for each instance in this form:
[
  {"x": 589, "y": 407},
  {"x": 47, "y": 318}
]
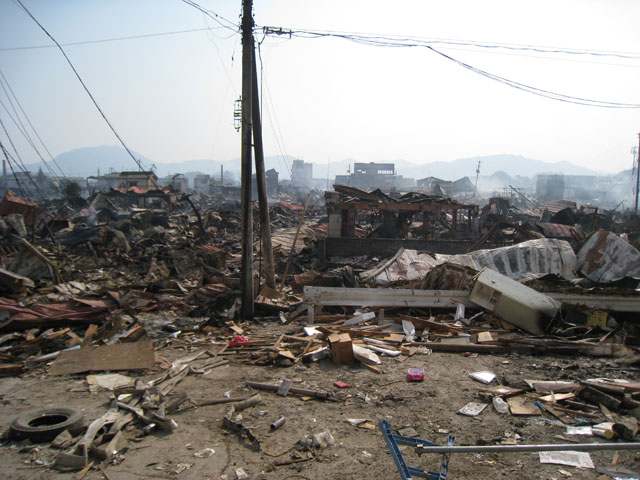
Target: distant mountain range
[{"x": 88, "y": 161}]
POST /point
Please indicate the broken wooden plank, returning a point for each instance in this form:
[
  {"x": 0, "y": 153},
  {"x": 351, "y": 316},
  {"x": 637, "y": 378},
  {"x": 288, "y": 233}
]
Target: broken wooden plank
[{"x": 122, "y": 356}]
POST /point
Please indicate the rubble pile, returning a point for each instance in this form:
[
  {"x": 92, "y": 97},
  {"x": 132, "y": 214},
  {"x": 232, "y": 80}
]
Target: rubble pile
[{"x": 137, "y": 295}]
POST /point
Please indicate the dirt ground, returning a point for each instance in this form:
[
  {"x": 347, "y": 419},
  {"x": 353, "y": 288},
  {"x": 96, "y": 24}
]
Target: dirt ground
[{"x": 428, "y": 407}]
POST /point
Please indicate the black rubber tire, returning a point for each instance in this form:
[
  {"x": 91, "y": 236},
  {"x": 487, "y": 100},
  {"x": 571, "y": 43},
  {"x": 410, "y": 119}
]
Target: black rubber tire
[{"x": 45, "y": 425}]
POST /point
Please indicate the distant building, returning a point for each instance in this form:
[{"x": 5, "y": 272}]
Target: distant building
[
  {"x": 550, "y": 187},
  {"x": 177, "y": 181},
  {"x": 302, "y": 174},
  {"x": 201, "y": 183},
  {"x": 103, "y": 183},
  {"x": 271, "y": 177},
  {"x": 376, "y": 175},
  {"x": 142, "y": 179},
  {"x": 436, "y": 186},
  {"x": 272, "y": 182}
]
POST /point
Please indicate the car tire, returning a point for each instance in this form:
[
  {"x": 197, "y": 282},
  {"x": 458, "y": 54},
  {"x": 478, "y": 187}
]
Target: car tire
[{"x": 45, "y": 425}]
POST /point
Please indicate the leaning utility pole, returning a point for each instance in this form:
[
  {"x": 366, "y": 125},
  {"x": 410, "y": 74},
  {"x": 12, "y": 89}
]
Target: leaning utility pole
[
  {"x": 261, "y": 184},
  {"x": 246, "y": 281}
]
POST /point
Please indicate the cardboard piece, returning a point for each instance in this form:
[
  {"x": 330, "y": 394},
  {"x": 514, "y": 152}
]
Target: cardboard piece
[
  {"x": 121, "y": 356},
  {"x": 521, "y": 405}
]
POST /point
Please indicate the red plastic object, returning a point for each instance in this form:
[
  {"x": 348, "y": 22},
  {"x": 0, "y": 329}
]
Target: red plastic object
[
  {"x": 415, "y": 374},
  {"x": 238, "y": 340},
  {"x": 340, "y": 384}
]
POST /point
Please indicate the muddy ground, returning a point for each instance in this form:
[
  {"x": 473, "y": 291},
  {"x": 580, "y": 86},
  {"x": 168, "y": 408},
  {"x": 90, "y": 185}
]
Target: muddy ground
[{"x": 358, "y": 453}]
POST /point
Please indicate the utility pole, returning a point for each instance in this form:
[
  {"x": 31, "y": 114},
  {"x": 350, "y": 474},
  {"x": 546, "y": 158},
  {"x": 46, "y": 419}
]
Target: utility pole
[
  {"x": 636, "y": 164},
  {"x": 246, "y": 270},
  {"x": 261, "y": 184}
]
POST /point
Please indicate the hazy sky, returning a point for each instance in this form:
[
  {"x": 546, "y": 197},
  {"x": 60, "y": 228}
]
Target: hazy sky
[{"x": 172, "y": 97}]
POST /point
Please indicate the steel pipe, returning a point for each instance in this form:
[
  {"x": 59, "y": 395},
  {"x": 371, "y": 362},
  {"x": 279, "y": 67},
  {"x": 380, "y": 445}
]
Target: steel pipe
[{"x": 580, "y": 447}]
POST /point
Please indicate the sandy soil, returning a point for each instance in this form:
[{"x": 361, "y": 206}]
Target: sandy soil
[{"x": 358, "y": 453}]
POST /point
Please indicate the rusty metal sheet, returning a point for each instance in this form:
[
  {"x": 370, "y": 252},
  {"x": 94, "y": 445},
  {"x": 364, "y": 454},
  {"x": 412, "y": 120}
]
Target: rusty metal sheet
[
  {"x": 49, "y": 314},
  {"x": 605, "y": 257},
  {"x": 32, "y": 213},
  {"x": 557, "y": 230}
]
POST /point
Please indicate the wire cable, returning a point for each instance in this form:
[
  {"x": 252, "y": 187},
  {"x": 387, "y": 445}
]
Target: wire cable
[
  {"x": 385, "y": 41},
  {"x": 7, "y": 156},
  {"x": 104, "y": 116},
  {"x": 2, "y": 76},
  {"x": 115, "y": 39},
  {"x": 228, "y": 24},
  {"x": 22, "y": 129},
  {"x": 21, "y": 164}
]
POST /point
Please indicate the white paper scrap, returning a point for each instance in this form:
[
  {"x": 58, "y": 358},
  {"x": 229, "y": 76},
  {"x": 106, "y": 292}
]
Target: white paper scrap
[{"x": 570, "y": 458}]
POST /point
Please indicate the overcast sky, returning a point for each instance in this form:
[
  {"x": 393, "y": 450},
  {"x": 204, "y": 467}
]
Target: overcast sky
[{"x": 171, "y": 97}]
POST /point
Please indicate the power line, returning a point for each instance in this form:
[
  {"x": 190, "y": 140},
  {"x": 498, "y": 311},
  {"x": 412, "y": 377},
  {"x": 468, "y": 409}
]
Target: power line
[
  {"x": 2, "y": 76},
  {"x": 23, "y": 130},
  {"x": 138, "y": 162},
  {"x": 381, "y": 41},
  {"x": 228, "y": 24},
  {"x": 395, "y": 40},
  {"x": 21, "y": 164},
  {"x": 115, "y": 39},
  {"x": 7, "y": 156}
]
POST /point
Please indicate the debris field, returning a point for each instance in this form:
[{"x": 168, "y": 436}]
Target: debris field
[{"x": 124, "y": 353}]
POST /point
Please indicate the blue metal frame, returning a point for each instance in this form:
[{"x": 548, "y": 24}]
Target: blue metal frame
[{"x": 407, "y": 472}]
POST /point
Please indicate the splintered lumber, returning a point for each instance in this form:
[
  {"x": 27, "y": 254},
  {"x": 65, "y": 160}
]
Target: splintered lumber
[
  {"x": 597, "y": 397},
  {"x": 294, "y": 390}
]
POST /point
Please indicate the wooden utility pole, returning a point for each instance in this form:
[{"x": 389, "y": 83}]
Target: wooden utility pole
[
  {"x": 636, "y": 162},
  {"x": 246, "y": 272},
  {"x": 261, "y": 183}
]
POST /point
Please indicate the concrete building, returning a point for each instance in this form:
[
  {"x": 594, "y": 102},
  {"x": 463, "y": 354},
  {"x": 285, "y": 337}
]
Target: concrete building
[
  {"x": 201, "y": 183},
  {"x": 141, "y": 179},
  {"x": 376, "y": 175},
  {"x": 177, "y": 181},
  {"x": 302, "y": 174},
  {"x": 550, "y": 187}
]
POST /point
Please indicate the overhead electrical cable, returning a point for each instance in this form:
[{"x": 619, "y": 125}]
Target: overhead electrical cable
[
  {"x": 21, "y": 164},
  {"x": 380, "y": 41},
  {"x": 31, "y": 124},
  {"x": 104, "y": 116},
  {"x": 223, "y": 22},
  {"x": 22, "y": 129},
  {"x": 116, "y": 39},
  {"x": 7, "y": 156},
  {"x": 399, "y": 41}
]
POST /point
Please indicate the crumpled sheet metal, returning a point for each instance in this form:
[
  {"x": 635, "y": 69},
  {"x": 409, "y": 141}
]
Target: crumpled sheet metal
[
  {"x": 405, "y": 265},
  {"x": 529, "y": 259},
  {"x": 605, "y": 257}
]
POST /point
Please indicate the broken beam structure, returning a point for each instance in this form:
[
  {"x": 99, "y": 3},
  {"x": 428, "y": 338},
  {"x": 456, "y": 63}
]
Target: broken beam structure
[
  {"x": 410, "y": 298},
  {"x": 381, "y": 297}
]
